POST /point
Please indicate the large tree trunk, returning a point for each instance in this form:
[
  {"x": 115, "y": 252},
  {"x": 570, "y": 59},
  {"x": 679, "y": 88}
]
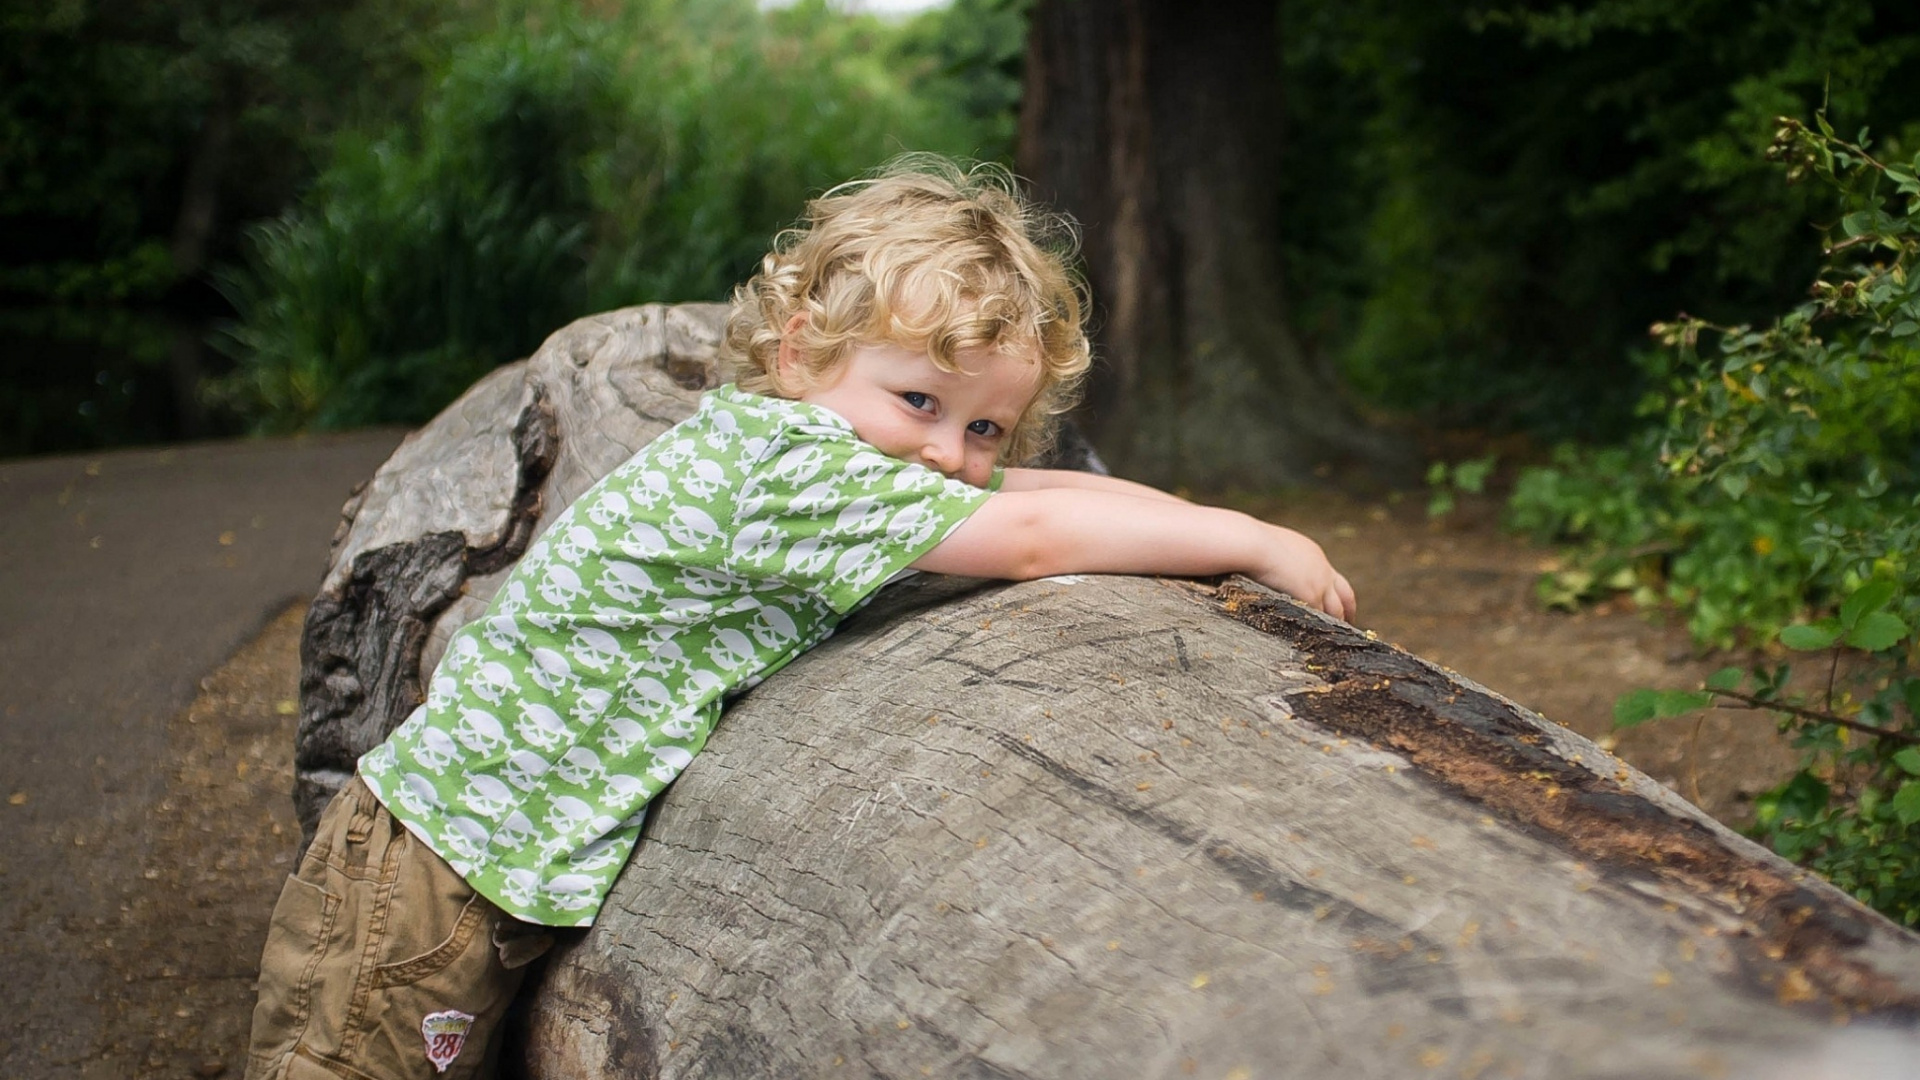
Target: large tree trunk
[
  {"x": 1157, "y": 124},
  {"x": 1095, "y": 827}
]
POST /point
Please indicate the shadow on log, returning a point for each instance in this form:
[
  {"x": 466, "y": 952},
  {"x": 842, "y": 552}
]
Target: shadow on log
[{"x": 1097, "y": 827}]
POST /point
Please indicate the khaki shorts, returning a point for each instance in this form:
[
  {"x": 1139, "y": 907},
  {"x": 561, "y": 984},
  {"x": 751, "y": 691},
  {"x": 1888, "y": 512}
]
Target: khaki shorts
[{"x": 381, "y": 963}]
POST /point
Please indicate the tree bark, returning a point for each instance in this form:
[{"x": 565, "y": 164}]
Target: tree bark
[
  {"x": 1158, "y": 126},
  {"x": 1108, "y": 827},
  {"x": 1094, "y": 826}
]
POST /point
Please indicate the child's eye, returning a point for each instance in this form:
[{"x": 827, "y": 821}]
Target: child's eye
[
  {"x": 984, "y": 427},
  {"x": 916, "y": 399}
]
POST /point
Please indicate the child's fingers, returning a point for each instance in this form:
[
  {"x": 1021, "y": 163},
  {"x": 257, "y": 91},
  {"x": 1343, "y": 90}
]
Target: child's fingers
[{"x": 1350, "y": 605}]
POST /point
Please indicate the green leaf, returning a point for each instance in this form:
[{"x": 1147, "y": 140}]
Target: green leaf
[
  {"x": 1869, "y": 597},
  {"x": 1909, "y": 760},
  {"x": 1906, "y": 328},
  {"x": 1879, "y": 630},
  {"x": 1727, "y": 678},
  {"x": 1856, "y": 223},
  {"x": 1680, "y": 702},
  {"x": 1810, "y": 638},
  {"x": 1635, "y": 708},
  {"x": 1905, "y": 803}
]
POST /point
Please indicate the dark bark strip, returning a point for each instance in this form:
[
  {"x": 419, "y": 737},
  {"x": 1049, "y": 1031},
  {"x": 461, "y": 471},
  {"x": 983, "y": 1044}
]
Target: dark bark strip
[
  {"x": 360, "y": 651},
  {"x": 1477, "y": 746}
]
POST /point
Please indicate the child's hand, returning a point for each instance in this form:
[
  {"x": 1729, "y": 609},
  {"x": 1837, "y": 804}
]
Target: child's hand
[{"x": 1298, "y": 567}]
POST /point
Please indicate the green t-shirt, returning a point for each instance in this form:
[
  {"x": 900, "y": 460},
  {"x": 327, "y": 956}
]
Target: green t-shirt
[{"x": 726, "y": 547}]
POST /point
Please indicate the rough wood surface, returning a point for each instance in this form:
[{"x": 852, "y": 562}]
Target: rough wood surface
[{"x": 1116, "y": 827}]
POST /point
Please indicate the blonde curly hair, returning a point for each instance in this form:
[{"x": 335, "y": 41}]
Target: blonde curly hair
[{"x": 925, "y": 255}]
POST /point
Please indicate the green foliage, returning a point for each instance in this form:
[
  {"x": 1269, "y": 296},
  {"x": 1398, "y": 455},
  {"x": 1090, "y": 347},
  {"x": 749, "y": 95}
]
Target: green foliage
[
  {"x": 1467, "y": 477},
  {"x": 1781, "y": 475},
  {"x": 564, "y": 164},
  {"x": 1489, "y": 201}
]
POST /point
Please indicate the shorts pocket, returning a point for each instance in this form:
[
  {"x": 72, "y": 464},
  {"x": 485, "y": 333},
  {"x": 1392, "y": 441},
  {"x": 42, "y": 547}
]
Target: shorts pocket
[{"x": 300, "y": 935}]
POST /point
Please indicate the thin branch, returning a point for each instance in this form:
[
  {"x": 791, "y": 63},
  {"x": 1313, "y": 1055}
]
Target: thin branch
[{"x": 1751, "y": 702}]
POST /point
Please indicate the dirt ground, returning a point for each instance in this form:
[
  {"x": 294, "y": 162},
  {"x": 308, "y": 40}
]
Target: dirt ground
[{"x": 1458, "y": 592}]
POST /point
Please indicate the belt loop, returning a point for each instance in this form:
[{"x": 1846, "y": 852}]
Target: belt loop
[{"x": 360, "y": 824}]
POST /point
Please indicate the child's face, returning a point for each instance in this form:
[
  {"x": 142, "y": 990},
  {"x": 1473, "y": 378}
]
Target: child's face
[{"x": 899, "y": 400}]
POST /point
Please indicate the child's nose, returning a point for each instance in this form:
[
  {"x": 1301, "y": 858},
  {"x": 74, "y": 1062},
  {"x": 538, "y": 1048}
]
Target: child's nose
[{"x": 943, "y": 452}]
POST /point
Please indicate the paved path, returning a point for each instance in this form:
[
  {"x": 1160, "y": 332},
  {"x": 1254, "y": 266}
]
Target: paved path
[{"x": 124, "y": 577}]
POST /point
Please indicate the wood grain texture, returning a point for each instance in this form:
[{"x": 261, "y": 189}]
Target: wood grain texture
[{"x": 1108, "y": 827}]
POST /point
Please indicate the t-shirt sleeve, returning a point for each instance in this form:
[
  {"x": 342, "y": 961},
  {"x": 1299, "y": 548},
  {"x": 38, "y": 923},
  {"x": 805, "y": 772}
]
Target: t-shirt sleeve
[{"x": 838, "y": 518}]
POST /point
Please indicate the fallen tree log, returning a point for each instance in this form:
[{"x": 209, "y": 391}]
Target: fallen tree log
[{"x": 1098, "y": 827}]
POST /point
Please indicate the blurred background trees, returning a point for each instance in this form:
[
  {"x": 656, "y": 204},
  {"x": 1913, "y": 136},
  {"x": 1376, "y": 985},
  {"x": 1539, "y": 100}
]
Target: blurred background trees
[{"x": 1457, "y": 211}]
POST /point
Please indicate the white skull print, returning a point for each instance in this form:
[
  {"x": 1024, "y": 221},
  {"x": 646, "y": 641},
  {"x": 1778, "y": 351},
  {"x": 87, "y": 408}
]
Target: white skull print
[
  {"x": 799, "y": 465},
  {"x": 646, "y": 696},
  {"x": 622, "y": 787},
  {"x": 596, "y": 650},
  {"x": 861, "y": 563},
  {"x": 572, "y": 892},
  {"x": 435, "y": 750},
  {"x": 722, "y": 429},
  {"x": 610, "y": 507},
  {"x": 675, "y": 453},
  {"x": 598, "y": 855},
  {"x": 580, "y": 767},
  {"x": 681, "y": 725},
  {"x": 668, "y": 761},
  {"x": 515, "y": 832},
  {"x": 417, "y": 795},
  {"x": 757, "y": 541},
  {"x": 560, "y": 587},
  {"x": 861, "y": 516},
  {"x": 751, "y": 498},
  {"x": 773, "y": 628},
  {"x": 866, "y": 468},
  {"x": 810, "y": 556},
  {"x": 589, "y": 703},
  {"x": 816, "y": 500},
  {"x": 465, "y": 837},
  {"x": 730, "y": 648},
  {"x": 574, "y": 545},
  {"x": 642, "y": 541},
  {"x": 565, "y": 814},
  {"x": 487, "y": 796},
  {"x": 703, "y": 582},
  {"x": 550, "y": 671},
  {"x": 691, "y": 527},
  {"x": 525, "y": 768},
  {"x": 503, "y": 633},
  {"x": 540, "y": 725},
  {"x": 703, "y": 480},
  {"x": 622, "y": 735},
  {"x": 522, "y": 886},
  {"x": 625, "y": 583},
  {"x": 912, "y": 526},
  {"x": 649, "y": 488},
  {"x": 479, "y": 731}
]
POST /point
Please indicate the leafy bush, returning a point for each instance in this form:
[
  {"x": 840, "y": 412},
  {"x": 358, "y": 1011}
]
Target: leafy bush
[
  {"x": 1783, "y": 476},
  {"x": 562, "y": 164}
]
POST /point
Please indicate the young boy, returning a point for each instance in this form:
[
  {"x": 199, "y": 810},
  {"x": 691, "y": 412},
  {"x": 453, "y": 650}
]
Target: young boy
[{"x": 891, "y": 354}]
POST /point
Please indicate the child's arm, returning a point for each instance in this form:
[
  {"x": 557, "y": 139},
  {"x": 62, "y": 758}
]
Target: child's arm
[
  {"x": 1053, "y": 479},
  {"x": 1033, "y": 533}
]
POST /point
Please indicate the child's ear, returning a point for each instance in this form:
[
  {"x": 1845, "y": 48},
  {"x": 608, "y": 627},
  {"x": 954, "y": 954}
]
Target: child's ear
[{"x": 791, "y": 372}]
